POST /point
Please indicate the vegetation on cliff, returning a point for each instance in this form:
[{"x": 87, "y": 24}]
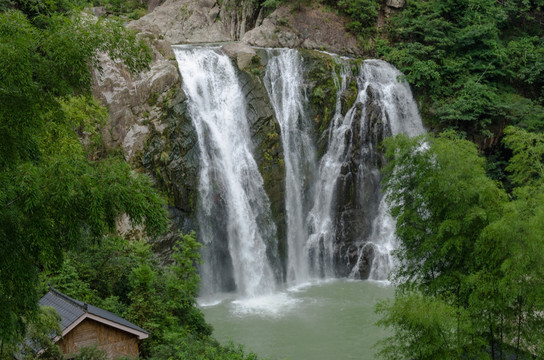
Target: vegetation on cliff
[
  {"x": 62, "y": 193},
  {"x": 477, "y": 65}
]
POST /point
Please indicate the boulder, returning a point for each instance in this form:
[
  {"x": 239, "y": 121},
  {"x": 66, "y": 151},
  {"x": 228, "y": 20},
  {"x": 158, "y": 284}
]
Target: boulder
[
  {"x": 184, "y": 21},
  {"x": 190, "y": 21},
  {"x": 397, "y": 4},
  {"x": 242, "y": 53},
  {"x": 308, "y": 27}
]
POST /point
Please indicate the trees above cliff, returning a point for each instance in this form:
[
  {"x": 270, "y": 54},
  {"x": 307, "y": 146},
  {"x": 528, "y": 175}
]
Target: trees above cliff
[{"x": 476, "y": 64}]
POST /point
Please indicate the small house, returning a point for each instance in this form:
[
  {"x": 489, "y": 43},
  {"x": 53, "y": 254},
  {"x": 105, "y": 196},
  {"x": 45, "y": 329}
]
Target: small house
[{"x": 84, "y": 325}]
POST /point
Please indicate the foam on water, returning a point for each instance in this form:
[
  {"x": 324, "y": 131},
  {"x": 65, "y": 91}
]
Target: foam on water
[
  {"x": 331, "y": 320},
  {"x": 275, "y": 305},
  {"x": 214, "y": 300}
]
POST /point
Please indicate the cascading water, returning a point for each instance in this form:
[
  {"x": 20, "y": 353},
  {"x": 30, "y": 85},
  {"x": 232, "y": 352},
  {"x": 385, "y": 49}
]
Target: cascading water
[
  {"x": 234, "y": 210},
  {"x": 395, "y": 97},
  {"x": 384, "y": 107},
  {"x": 382, "y": 88},
  {"x": 321, "y": 218},
  {"x": 336, "y": 216},
  {"x": 284, "y": 84},
  {"x": 337, "y": 220}
]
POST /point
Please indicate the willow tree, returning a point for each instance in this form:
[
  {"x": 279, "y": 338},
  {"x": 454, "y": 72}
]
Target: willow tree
[{"x": 53, "y": 190}]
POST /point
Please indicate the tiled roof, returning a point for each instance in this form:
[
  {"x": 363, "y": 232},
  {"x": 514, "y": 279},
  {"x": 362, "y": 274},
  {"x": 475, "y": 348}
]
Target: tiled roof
[{"x": 71, "y": 310}]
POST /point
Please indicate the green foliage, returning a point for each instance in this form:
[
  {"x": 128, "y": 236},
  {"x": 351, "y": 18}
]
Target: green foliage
[
  {"x": 192, "y": 347},
  {"x": 50, "y": 206},
  {"x": 56, "y": 191},
  {"x": 33, "y": 8},
  {"x": 426, "y": 328},
  {"x": 133, "y": 9},
  {"x": 40, "y": 332},
  {"x": 79, "y": 121},
  {"x": 472, "y": 61},
  {"x": 41, "y": 65},
  {"x": 124, "y": 277},
  {"x": 473, "y": 266},
  {"x": 183, "y": 282},
  {"x": 363, "y": 13},
  {"x": 509, "y": 286},
  {"x": 94, "y": 353},
  {"x": 91, "y": 353},
  {"x": 442, "y": 200},
  {"x": 271, "y": 3},
  {"x": 527, "y": 162}
]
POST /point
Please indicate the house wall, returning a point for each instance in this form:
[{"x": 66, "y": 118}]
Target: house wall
[{"x": 89, "y": 332}]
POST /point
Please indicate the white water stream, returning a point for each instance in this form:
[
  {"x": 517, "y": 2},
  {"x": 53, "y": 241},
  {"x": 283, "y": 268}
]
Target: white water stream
[
  {"x": 321, "y": 218},
  {"x": 284, "y": 83},
  {"x": 401, "y": 114},
  {"x": 230, "y": 183}
]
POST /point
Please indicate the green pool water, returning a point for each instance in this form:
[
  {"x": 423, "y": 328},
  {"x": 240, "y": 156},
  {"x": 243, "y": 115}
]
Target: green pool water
[{"x": 326, "y": 320}]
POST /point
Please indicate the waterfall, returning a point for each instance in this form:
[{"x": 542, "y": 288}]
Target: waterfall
[
  {"x": 394, "y": 96},
  {"x": 234, "y": 212},
  {"x": 384, "y": 107},
  {"x": 338, "y": 223},
  {"x": 321, "y": 218},
  {"x": 284, "y": 83},
  {"x": 400, "y": 114}
]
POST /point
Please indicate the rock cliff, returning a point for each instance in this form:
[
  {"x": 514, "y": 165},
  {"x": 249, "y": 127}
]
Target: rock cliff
[{"x": 148, "y": 111}]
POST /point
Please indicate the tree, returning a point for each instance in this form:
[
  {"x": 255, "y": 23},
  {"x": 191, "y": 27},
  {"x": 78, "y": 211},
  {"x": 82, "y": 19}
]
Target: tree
[
  {"x": 55, "y": 192},
  {"x": 183, "y": 285},
  {"x": 442, "y": 200},
  {"x": 471, "y": 256},
  {"x": 40, "y": 333},
  {"x": 427, "y": 328},
  {"x": 474, "y": 63},
  {"x": 527, "y": 163}
]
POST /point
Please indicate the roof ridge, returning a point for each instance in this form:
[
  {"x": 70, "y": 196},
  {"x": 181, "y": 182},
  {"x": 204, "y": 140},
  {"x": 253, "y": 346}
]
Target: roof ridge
[
  {"x": 66, "y": 305},
  {"x": 68, "y": 298},
  {"x": 134, "y": 326}
]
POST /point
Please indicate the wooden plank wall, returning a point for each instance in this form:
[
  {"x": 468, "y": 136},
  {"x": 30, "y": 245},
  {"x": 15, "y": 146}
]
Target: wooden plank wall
[{"x": 117, "y": 343}]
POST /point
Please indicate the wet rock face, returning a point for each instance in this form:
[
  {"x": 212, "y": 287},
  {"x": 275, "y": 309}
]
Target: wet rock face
[
  {"x": 171, "y": 157},
  {"x": 242, "y": 54},
  {"x": 358, "y": 190},
  {"x": 268, "y": 151}
]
